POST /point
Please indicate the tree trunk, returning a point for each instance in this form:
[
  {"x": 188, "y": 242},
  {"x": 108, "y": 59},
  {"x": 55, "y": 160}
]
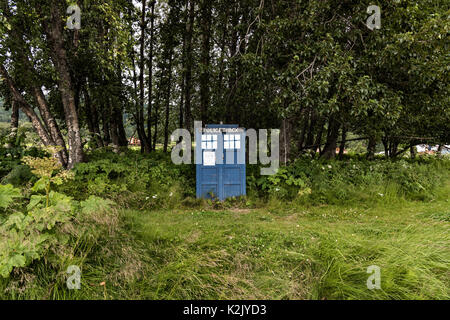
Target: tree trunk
[
  {"x": 49, "y": 122},
  {"x": 92, "y": 119},
  {"x": 114, "y": 129},
  {"x": 343, "y": 141},
  {"x": 393, "y": 152},
  {"x": 140, "y": 114},
  {"x": 312, "y": 124},
  {"x": 89, "y": 122},
  {"x": 303, "y": 122},
  {"x": 158, "y": 101},
  {"x": 183, "y": 72},
  {"x": 14, "y": 124},
  {"x": 285, "y": 140},
  {"x": 123, "y": 141},
  {"x": 371, "y": 147},
  {"x": 59, "y": 57},
  {"x": 27, "y": 109},
  {"x": 189, "y": 62},
  {"x": 205, "y": 58},
  {"x": 169, "y": 85},
  {"x": 106, "y": 129},
  {"x": 329, "y": 150},
  {"x": 150, "y": 78},
  {"x": 137, "y": 114},
  {"x": 232, "y": 80},
  {"x": 412, "y": 150},
  {"x": 223, "y": 41},
  {"x": 385, "y": 141},
  {"x": 320, "y": 128}
]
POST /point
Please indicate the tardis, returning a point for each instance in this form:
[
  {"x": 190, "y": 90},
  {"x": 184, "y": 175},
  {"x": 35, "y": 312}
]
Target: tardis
[{"x": 220, "y": 161}]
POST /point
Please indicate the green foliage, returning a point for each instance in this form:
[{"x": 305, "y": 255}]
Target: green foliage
[
  {"x": 49, "y": 170},
  {"x": 29, "y": 236},
  {"x": 11, "y": 155},
  {"x": 93, "y": 205},
  {"x": 132, "y": 179},
  {"x": 352, "y": 179},
  {"x": 7, "y": 195},
  {"x": 32, "y": 235},
  {"x": 18, "y": 176},
  {"x": 36, "y": 230}
]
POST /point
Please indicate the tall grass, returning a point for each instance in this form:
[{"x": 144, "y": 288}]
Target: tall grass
[{"x": 314, "y": 253}]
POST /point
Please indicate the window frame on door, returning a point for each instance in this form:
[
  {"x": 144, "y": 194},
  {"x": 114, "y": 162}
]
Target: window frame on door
[
  {"x": 209, "y": 142},
  {"x": 232, "y": 141}
]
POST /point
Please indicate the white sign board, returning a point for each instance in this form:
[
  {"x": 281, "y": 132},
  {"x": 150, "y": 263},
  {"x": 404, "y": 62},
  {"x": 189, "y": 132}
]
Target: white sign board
[{"x": 209, "y": 158}]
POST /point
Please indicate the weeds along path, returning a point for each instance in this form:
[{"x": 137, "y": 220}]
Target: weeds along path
[{"x": 292, "y": 253}]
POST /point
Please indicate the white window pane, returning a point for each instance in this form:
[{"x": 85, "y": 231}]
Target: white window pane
[
  {"x": 209, "y": 145},
  {"x": 208, "y": 137},
  {"x": 231, "y": 144},
  {"x": 203, "y": 145},
  {"x": 203, "y": 137},
  {"x": 209, "y": 158},
  {"x": 227, "y": 137},
  {"x": 226, "y": 145},
  {"x": 237, "y": 144},
  {"x": 215, "y": 137},
  {"x": 214, "y": 144}
]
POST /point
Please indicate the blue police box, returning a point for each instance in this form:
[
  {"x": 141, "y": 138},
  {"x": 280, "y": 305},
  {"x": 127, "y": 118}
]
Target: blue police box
[{"x": 220, "y": 168}]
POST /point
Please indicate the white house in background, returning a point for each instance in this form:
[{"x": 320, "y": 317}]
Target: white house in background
[
  {"x": 445, "y": 149},
  {"x": 421, "y": 148},
  {"x": 424, "y": 148}
]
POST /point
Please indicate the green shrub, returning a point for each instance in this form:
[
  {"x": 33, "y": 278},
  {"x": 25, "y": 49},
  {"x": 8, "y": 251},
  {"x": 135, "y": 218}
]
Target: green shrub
[
  {"x": 7, "y": 195},
  {"x": 42, "y": 229},
  {"x": 353, "y": 179},
  {"x": 18, "y": 176},
  {"x": 48, "y": 219},
  {"x": 11, "y": 155},
  {"x": 132, "y": 179}
]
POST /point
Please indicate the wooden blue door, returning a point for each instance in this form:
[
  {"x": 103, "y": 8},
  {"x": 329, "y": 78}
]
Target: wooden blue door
[{"x": 221, "y": 173}]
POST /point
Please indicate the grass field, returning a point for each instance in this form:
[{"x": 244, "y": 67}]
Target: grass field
[{"x": 282, "y": 251}]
